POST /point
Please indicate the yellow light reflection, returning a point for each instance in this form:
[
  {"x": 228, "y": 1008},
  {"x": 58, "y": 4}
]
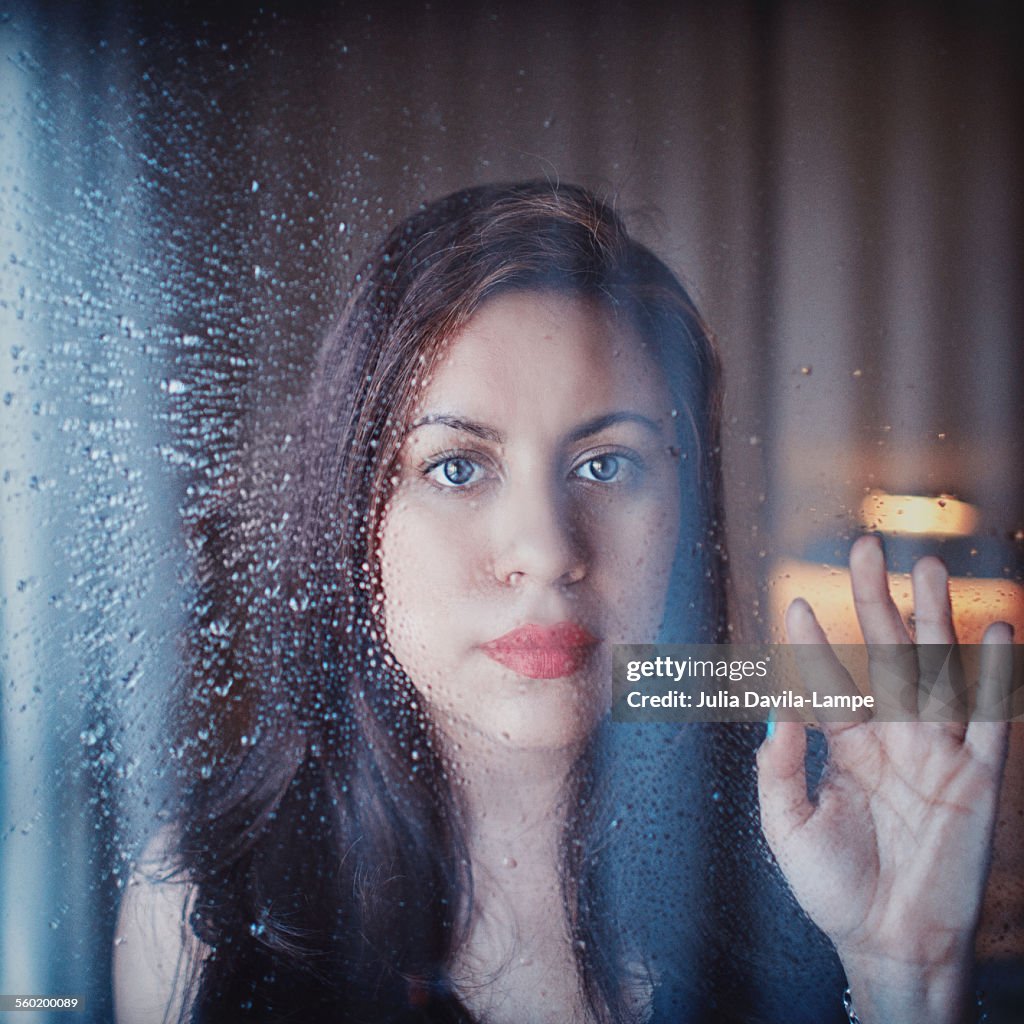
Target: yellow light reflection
[
  {"x": 976, "y": 602},
  {"x": 913, "y": 514}
]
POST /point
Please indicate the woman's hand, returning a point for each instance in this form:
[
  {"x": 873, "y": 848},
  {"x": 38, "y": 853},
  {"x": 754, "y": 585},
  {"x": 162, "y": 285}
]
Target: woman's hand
[{"x": 891, "y": 857}]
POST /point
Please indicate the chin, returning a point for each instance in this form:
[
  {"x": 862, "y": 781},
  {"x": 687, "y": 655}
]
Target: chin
[{"x": 546, "y": 727}]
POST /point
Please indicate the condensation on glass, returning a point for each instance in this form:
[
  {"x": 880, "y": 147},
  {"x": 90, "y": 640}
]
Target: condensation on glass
[{"x": 185, "y": 206}]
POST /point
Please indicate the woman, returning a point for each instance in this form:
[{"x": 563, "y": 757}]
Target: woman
[{"x": 507, "y": 463}]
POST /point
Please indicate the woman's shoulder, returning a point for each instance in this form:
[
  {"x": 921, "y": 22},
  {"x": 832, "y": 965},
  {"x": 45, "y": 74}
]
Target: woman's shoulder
[{"x": 155, "y": 947}]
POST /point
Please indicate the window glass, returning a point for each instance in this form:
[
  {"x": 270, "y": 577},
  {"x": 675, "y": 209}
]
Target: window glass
[{"x": 188, "y": 204}]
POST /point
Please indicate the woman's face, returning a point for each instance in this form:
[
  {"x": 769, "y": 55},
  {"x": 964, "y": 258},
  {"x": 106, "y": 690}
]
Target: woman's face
[{"x": 534, "y": 522}]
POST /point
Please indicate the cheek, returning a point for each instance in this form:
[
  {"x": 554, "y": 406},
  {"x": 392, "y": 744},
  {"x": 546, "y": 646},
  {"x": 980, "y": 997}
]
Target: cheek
[
  {"x": 637, "y": 549},
  {"x": 426, "y": 567}
]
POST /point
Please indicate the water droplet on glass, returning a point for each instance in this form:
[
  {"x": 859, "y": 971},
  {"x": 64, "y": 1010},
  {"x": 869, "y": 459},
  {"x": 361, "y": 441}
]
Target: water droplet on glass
[{"x": 91, "y": 736}]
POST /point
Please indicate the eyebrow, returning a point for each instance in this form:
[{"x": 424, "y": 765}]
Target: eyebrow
[
  {"x": 481, "y": 430},
  {"x": 599, "y": 423},
  {"x": 459, "y": 423}
]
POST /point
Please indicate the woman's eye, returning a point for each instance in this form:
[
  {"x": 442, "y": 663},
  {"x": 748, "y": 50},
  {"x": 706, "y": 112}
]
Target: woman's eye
[
  {"x": 603, "y": 469},
  {"x": 455, "y": 472}
]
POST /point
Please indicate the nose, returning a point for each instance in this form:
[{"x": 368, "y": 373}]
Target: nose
[{"x": 537, "y": 539}]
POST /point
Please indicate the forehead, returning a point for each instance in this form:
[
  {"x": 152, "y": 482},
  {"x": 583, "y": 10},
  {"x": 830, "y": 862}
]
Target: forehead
[{"x": 547, "y": 356}]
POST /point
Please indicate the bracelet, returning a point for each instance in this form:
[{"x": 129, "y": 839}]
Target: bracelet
[{"x": 980, "y": 1013}]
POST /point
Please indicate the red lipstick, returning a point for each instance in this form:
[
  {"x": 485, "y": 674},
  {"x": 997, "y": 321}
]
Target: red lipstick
[{"x": 542, "y": 652}]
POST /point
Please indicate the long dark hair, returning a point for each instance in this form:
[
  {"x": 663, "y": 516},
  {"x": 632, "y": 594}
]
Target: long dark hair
[{"x": 317, "y": 821}]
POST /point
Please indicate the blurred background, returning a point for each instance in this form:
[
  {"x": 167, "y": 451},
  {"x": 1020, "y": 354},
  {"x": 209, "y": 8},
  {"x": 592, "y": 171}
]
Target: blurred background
[{"x": 187, "y": 193}]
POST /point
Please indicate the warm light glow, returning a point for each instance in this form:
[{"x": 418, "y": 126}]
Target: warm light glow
[
  {"x": 976, "y": 602},
  {"x": 913, "y": 514}
]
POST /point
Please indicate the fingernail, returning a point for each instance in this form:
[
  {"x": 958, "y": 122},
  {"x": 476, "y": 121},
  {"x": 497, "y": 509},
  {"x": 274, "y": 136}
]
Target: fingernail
[{"x": 770, "y": 727}]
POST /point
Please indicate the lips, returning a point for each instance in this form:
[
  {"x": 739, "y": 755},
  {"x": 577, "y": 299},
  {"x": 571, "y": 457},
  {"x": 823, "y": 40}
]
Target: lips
[{"x": 542, "y": 652}]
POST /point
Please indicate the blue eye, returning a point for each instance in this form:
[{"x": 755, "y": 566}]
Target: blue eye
[
  {"x": 602, "y": 469},
  {"x": 455, "y": 472}
]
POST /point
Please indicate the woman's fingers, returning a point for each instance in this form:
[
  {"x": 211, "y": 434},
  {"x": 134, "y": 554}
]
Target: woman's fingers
[
  {"x": 942, "y": 687},
  {"x": 819, "y": 667},
  {"x": 802, "y": 625},
  {"x": 782, "y": 783},
  {"x": 933, "y": 614},
  {"x": 892, "y": 658},
  {"x": 879, "y": 618},
  {"x": 781, "y": 772},
  {"x": 988, "y": 731}
]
